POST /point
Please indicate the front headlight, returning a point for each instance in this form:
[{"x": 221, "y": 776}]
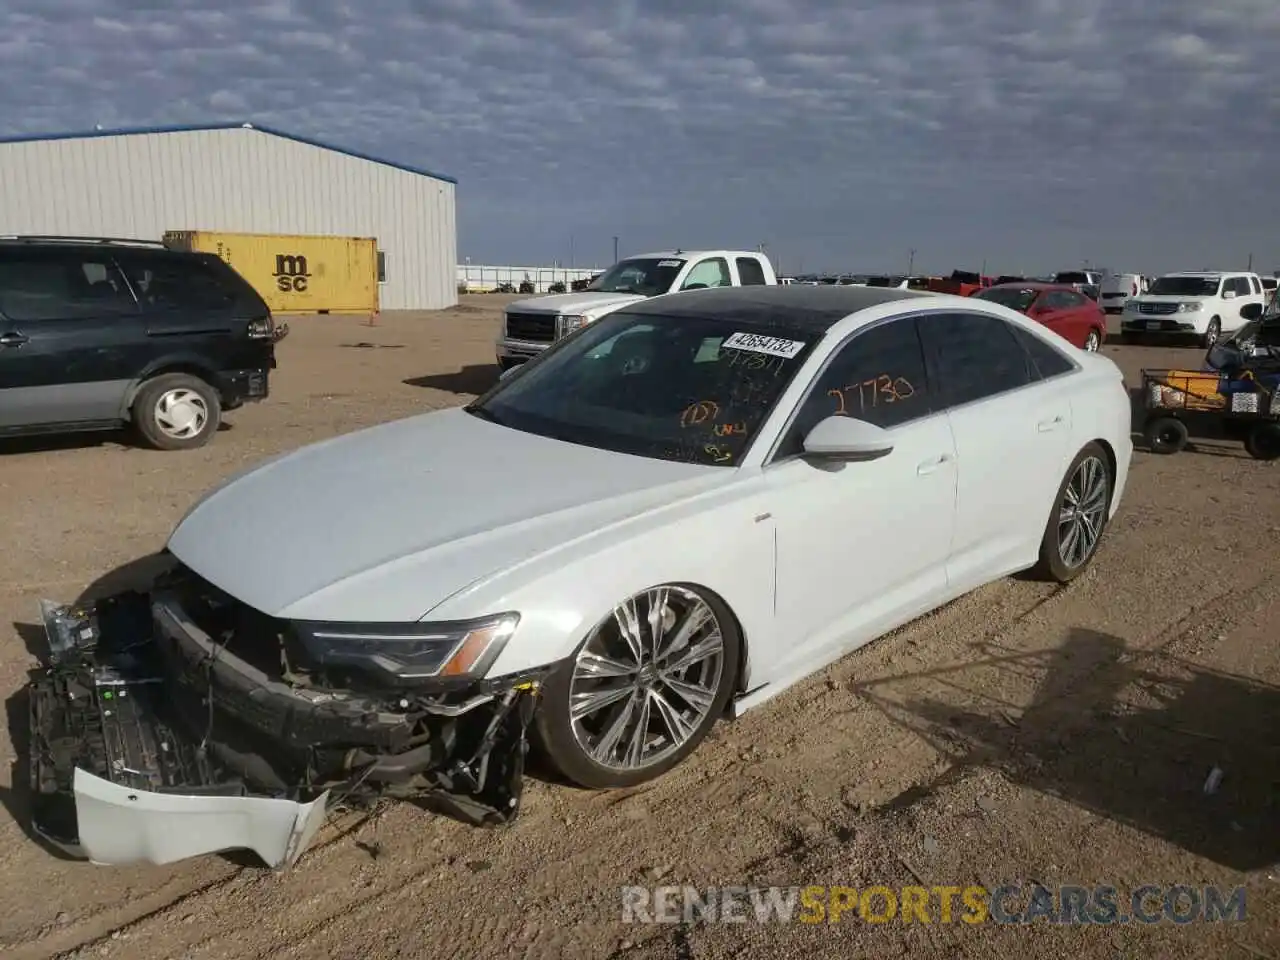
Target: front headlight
[
  {"x": 1190, "y": 306},
  {"x": 410, "y": 651},
  {"x": 567, "y": 323},
  {"x": 1130, "y": 306}
]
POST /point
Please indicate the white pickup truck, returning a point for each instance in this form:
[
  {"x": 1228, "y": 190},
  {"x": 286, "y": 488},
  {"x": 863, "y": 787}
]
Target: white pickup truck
[{"x": 532, "y": 325}]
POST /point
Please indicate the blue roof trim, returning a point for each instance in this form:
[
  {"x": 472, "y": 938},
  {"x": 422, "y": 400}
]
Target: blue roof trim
[{"x": 204, "y": 127}]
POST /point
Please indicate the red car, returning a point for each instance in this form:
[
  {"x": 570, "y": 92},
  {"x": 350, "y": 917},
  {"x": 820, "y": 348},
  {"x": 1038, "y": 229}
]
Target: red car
[{"x": 1068, "y": 313}]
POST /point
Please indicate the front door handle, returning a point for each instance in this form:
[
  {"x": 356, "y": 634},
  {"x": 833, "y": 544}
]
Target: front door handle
[
  {"x": 13, "y": 339},
  {"x": 933, "y": 465},
  {"x": 1046, "y": 426}
]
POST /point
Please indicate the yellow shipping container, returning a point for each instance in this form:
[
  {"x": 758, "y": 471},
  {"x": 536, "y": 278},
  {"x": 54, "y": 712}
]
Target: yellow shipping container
[{"x": 296, "y": 274}]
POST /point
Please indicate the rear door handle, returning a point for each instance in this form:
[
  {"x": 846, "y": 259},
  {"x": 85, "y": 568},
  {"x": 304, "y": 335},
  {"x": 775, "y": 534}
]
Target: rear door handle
[
  {"x": 934, "y": 465},
  {"x": 1046, "y": 426},
  {"x": 13, "y": 339}
]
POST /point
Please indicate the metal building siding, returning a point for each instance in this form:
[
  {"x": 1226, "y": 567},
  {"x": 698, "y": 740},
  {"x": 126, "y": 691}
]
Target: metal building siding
[{"x": 241, "y": 181}]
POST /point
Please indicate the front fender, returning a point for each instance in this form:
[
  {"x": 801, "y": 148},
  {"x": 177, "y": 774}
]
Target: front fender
[{"x": 561, "y": 596}]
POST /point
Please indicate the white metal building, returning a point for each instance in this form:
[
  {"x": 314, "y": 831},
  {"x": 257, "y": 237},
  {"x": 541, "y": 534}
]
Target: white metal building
[{"x": 236, "y": 178}]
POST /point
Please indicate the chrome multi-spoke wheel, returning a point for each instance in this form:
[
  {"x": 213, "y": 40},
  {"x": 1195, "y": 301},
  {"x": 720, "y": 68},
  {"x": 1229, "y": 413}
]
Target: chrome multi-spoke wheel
[
  {"x": 647, "y": 678},
  {"x": 1083, "y": 511},
  {"x": 643, "y": 689},
  {"x": 1078, "y": 515},
  {"x": 1093, "y": 342}
]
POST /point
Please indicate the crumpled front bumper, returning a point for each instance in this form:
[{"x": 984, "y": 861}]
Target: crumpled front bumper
[
  {"x": 119, "y": 825},
  {"x": 150, "y": 744}
]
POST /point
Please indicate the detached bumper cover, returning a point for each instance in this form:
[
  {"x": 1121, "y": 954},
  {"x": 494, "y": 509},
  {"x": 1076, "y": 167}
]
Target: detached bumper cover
[
  {"x": 118, "y": 825},
  {"x": 145, "y": 749}
]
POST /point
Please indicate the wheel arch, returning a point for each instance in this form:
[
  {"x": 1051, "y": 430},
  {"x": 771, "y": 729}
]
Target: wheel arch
[{"x": 190, "y": 365}]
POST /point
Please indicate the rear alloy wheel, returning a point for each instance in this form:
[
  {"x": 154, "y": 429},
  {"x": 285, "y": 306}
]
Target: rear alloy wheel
[
  {"x": 1079, "y": 517},
  {"x": 1093, "y": 342},
  {"x": 643, "y": 690},
  {"x": 1212, "y": 332},
  {"x": 177, "y": 411}
]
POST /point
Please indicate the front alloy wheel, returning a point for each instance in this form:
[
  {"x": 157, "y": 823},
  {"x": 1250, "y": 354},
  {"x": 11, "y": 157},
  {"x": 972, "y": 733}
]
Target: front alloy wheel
[
  {"x": 643, "y": 690},
  {"x": 1092, "y": 342},
  {"x": 1079, "y": 517}
]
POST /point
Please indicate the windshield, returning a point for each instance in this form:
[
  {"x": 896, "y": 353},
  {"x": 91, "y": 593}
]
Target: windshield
[
  {"x": 690, "y": 389},
  {"x": 1015, "y": 298},
  {"x": 648, "y": 277},
  {"x": 1184, "y": 287},
  {"x": 1071, "y": 277}
]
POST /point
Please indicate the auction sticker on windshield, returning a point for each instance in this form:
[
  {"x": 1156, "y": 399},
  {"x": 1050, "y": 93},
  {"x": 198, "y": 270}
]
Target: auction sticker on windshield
[
  {"x": 670, "y": 263},
  {"x": 758, "y": 343}
]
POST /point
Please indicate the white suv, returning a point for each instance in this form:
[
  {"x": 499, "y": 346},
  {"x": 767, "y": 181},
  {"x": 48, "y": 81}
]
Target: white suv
[{"x": 1204, "y": 305}]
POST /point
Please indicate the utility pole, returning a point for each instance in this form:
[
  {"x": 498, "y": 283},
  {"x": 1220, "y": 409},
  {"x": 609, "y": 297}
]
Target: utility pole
[
  {"x": 615, "y": 249},
  {"x": 911, "y": 261},
  {"x": 1250, "y": 267},
  {"x": 571, "y": 260}
]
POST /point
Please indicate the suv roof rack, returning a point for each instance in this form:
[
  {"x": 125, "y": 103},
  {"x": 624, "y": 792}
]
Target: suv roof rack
[{"x": 124, "y": 241}]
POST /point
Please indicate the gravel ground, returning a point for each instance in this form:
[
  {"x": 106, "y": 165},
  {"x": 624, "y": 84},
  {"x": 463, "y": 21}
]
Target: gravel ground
[{"x": 1021, "y": 734}]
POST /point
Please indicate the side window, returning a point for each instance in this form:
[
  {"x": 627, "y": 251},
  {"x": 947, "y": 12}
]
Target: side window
[
  {"x": 708, "y": 273},
  {"x": 977, "y": 356},
  {"x": 1054, "y": 300},
  {"x": 178, "y": 283},
  {"x": 69, "y": 286},
  {"x": 1073, "y": 301},
  {"x": 1240, "y": 285},
  {"x": 750, "y": 272},
  {"x": 1049, "y": 361},
  {"x": 878, "y": 376}
]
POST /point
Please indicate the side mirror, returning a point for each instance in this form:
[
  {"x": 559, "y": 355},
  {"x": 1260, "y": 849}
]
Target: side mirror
[
  {"x": 509, "y": 371},
  {"x": 694, "y": 286},
  {"x": 844, "y": 438},
  {"x": 1251, "y": 311}
]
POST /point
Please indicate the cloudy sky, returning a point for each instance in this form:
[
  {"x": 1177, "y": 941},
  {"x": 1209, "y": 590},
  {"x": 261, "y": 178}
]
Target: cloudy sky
[{"x": 1033, "y": 134}]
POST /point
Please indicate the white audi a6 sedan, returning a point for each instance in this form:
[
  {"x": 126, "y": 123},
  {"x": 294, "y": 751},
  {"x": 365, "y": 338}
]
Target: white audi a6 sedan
[{"x": 671, "y": 516}]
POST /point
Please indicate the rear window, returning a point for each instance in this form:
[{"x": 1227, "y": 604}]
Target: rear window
[{"x": 198, "y": 282}]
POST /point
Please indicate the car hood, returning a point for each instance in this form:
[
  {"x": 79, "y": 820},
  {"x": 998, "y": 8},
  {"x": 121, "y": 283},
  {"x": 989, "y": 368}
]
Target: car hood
[
  {"x": 572, "y": 303},
  {"x": 386, "y": 523}
]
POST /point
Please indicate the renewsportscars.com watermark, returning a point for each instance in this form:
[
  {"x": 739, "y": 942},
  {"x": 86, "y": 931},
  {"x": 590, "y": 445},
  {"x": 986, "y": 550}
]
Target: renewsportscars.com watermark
[{"x": 1008, "y": 904}]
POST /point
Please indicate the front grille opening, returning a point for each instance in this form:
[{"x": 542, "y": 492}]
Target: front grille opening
[{"x": 262, "y": 641}]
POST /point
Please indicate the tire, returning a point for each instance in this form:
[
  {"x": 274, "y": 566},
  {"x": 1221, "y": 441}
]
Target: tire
[
  {"x": 1211, "y": 334},
  {"x": 1165, "y": 435},
  {"x": 195, "y": 412},
  {"x": 1052, "y": 565},
  {"x": 1263, "y": 441},
  {"x": 566, "y": 742},
  {"x": 1093, "y": 342}
]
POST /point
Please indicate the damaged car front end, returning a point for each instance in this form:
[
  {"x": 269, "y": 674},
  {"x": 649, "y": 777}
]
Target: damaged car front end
[{"x": 181, "y": 721}]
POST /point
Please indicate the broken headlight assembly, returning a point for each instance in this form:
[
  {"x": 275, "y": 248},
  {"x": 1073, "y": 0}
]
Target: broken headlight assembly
[{"x": 409, "y": 653}]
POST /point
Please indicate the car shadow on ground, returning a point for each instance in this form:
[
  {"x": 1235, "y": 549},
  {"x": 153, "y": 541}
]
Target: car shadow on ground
[
  {"x": 473, "y": 379},
  {"x": 53, "y": 442},
  {"x": 1160, "y": 744}
]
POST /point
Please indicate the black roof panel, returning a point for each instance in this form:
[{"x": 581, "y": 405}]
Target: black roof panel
[{"x": 813, "y": 309}]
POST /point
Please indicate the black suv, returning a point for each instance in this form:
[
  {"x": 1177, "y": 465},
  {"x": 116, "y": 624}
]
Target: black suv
[{"x": 98, "y": 333}]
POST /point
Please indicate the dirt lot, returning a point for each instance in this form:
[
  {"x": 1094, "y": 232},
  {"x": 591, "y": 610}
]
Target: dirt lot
[{"x": 1023, "y": 733}]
